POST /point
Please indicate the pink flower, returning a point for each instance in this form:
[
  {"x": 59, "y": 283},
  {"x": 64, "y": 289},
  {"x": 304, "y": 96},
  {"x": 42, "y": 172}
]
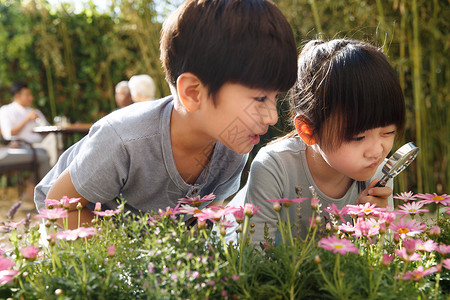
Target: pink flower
[
  {"x": 189, "y": 210},
  {"x": 197, "y": 201},
  {"x": 215, "y": 212},
  {"x": 250, "y": 209},
  {"x": 408, "y": 228},
  {"x": 52, "y": 203},
  {"x": 403, "y": 255},
  {"x": 409, "y": 196},
  {"x": 386, "y": 217},
  {"x": 72, "y": 235},
  {"x": 349, "y": 228},
  {"x": 364, "y": 228},
  {"x": 52, "y": 214},
  {"x": 11, "y": 225},
  {"x": 5, "y": 263},
  {"x": 29, "y": 252},
  {"x": 418, "y": 274},
  {"x": 287, "y": 202},
  {"x": 443, "y": 249},
  {"x": 387, "y": 259},
  {"x": 338, "y": 213},
  {"x": 337, "y": 245},
  {"x": 443, "y": 199},
  {"x": 66, "y": 201},
  {"x": 239, "y": 215},
  {"x": 411, "y": 208},
  {"x": 364, "y": 210},
  {"x": 446, "y": 263},
  {"x": 435, "y": 231},
  {"x": 98, "y": 206},
  {"x": 7, "y": 276},
  {"x": 427, "y": 246},
  {"x": 111, "y": 251},
  {"x": 107, "y": 213},
  {"x": 410, "y": 246},
  {"x": 171, "y": 212}
]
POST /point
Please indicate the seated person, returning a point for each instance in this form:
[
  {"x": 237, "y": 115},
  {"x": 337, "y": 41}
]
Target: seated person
[
  {"x": 18, "y": 119},
  {"x": 123, "y": 95},
  {"x": 142, "y": 88}
]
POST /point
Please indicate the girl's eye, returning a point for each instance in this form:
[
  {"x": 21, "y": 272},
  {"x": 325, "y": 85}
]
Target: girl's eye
[
  {"x": 390, "y": 132},
  {"x": 358, "y": 138},
  {"x": 261, "y": 99}
]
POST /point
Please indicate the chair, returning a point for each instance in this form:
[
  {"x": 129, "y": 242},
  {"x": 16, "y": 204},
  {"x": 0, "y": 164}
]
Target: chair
[{"x": 18, "y": 168}]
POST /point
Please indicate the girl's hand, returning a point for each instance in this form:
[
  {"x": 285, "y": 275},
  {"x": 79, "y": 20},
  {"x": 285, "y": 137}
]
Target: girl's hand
[{"x": 375, "y": 195}]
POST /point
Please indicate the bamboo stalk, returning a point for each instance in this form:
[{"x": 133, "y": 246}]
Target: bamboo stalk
[
  {"x": 316, "y": 16},
  {"x": 417, "y": 95}
]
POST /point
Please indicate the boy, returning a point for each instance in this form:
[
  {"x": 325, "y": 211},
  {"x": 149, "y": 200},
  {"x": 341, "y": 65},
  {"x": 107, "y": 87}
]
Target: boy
[{"x": 225, "y": 62}]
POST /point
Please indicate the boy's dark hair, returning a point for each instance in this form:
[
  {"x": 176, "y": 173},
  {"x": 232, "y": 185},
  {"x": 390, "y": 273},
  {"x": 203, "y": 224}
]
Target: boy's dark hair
[
  {"x": 16, "y": 87},
  {"x": 248, "y": 42},
  {"x": 344, "y": 88}
]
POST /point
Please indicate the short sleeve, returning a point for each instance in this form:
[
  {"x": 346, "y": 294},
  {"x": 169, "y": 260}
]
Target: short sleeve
[{"x": 100, "y": 169}]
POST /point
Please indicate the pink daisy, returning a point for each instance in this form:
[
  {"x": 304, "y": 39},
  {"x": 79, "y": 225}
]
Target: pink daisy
[
  {"x": 403, "y": 255},
  {"x": 7, "y": 276},
  {"x": 239, "y": 215},
  {"x": 338, "y": 213},
  {"x": 418, "y": 274},
  {"x": 409, "y": 196},
  {"x": 407, "y": 228},
  {"x": 446, "y": 263},
  {"x": 443, "y": 249},
  {"x": 348, "y": 227},
  {"x": 364, "y": 210},
  {"x": 387, "y": 259},
  {"x": 215, "y": 213},
  {"x": 197, "y": 200},
  {"x": 107, "y": 213},
  {"x": 427, "y": 246},
  {"x": 72, "y": 235},
  {"x": 189, "y": 210},
  {"x": 171, "y": 212},
  {"x": 443, "y": 199},
  {"x": 411, "y": 208},
  {"x": 364, "y": 228},
  {"x": 29, "y": 252},
  {"x": 251, "y": 209},
  {"x": 337, "y": 245},
  {"x": 5, "y": 263},
  {"x": 52, "y": 214}
]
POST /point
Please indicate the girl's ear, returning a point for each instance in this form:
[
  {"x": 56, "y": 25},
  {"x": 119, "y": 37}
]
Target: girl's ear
[
  {"x": 304, "y": 130},
  {"x": 190, "y": 90}
]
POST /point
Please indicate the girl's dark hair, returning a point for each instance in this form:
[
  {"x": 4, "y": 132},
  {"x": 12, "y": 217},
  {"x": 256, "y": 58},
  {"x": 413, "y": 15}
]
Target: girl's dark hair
[
  {"x": 16, "y": 87},
  {"x": 248, "y": 42},
  {"x": 345, "y": 87}
]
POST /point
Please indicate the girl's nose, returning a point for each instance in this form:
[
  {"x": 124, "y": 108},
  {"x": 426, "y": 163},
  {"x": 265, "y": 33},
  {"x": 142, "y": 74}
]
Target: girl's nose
[
  {"x": 374, "y": 149},
  {"x": 272, "y": 114}
]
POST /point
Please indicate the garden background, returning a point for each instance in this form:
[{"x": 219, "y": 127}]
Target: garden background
[{"x": 72, "y": 60}]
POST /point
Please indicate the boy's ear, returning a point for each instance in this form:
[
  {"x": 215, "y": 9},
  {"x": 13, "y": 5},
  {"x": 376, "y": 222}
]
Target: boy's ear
[
  {"x": 190, "y": 91},
  {"x": 304, "y": 130}
]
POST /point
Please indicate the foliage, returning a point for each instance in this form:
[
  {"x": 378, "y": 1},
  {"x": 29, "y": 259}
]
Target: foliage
[
  {"x": 159, "y": 256},
  {"x": 72, "y": 60}
]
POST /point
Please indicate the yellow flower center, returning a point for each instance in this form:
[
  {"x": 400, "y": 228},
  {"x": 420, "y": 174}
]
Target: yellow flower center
[
  {"x": 412, "y": 210},
  {"x": 438, "y": 198},
  {"x": 338, "y": 246},
  {"x": 366, "y": 210},
  {"x": 403, "y": 230}
]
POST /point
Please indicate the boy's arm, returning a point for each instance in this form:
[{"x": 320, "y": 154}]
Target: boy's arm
[{"x": 64, "y": 187}]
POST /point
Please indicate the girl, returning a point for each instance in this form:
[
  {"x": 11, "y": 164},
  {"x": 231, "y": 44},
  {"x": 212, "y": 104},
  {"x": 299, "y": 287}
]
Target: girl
[{"x": 347, "y": 108}]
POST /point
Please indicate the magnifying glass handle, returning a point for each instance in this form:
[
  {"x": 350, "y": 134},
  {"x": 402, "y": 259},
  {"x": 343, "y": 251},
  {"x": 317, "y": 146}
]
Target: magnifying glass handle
[{"x": 382, "y": 181}]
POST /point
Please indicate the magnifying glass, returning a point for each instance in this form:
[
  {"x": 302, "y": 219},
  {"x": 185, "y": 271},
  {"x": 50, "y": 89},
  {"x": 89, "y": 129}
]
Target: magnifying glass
[{"x": 398, "y": 162}]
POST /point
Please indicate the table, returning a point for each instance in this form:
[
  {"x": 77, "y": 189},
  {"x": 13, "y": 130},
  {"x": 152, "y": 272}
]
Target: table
[{"x": 67, "y": 133}]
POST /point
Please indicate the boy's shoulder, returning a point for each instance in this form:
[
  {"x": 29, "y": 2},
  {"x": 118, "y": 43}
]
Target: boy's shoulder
[{"x": 141, "y": 118}]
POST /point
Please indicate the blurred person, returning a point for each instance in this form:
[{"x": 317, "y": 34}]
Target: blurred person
[
  {"x": 142, "y": 88},
  {"x": 123, "y": 95},
  {"x": 18, "y": 119}
]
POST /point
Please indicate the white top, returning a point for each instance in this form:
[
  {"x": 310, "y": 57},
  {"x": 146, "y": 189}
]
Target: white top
[{"x": 13, "y": 114}]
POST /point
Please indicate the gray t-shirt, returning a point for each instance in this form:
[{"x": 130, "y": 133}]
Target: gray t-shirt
[
  {"x": 278, "y": 171},
  {"x": 128, "y": 154}
]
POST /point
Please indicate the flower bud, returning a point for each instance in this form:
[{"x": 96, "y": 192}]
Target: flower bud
[
  {"x": 98, "y": 206},
  {"x": 317, "y": 259}
]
